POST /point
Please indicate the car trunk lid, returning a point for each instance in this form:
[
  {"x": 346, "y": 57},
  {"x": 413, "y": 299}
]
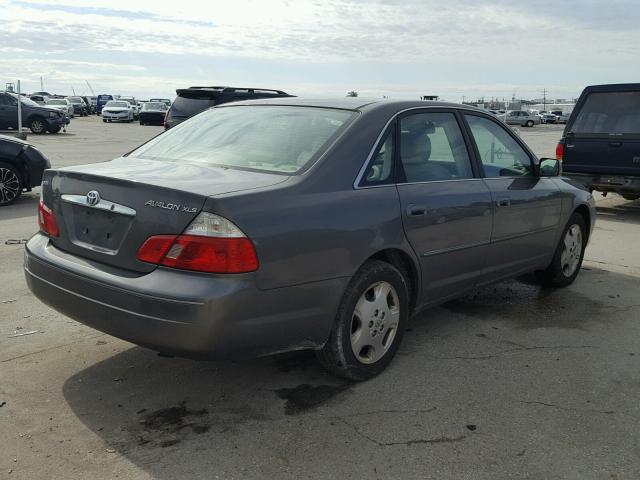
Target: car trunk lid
[{"x": 106, "y": 211}]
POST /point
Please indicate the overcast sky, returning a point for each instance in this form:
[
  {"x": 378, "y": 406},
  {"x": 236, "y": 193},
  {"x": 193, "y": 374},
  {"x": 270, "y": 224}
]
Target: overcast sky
[{"x": 402, "y": 49}]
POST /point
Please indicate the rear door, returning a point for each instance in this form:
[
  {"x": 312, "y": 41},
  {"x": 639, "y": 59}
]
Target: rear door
[
  {"x": 604, "y": 136},
  {"x": 446, "y": 209},
  {"x": 526, "y": 207}
]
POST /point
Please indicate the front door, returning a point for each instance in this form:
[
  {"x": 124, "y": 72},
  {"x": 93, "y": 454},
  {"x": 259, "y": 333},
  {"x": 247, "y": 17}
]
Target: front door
[
  {"x": 8, "y": 111},
  {"x": 526, "y": 207},
  {"x": 446, "y": 209}
]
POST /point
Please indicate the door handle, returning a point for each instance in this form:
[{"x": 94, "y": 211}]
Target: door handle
[
  {"x": 615, "y": 144},
  {"x": 504, "y": 202},
  {"x": 416, "y": 210}
]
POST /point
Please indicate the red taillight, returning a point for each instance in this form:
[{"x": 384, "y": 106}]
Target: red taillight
[
  {"x": 47, "y": 220},
  {"x": 202, "y": 254},
  {"x": 560, "y": 150}
]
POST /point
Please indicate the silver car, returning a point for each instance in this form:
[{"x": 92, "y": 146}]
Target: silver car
[
  {"x": 61, "y": 104},
  {"x": 522, "y": 118}
]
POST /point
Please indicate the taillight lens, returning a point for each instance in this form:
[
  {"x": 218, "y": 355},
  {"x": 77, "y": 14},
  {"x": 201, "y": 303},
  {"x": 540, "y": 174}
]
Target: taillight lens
[
  {"x": 560, "y": 150},
  {"x": 210, "y": 244},
  {"x": 47, "y": 220},
  {"x": 164, "y": 122}
]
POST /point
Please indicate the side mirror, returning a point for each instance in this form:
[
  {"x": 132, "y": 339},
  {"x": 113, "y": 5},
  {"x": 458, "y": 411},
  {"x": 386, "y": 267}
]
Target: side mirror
[{"x": 550, "y": 167}]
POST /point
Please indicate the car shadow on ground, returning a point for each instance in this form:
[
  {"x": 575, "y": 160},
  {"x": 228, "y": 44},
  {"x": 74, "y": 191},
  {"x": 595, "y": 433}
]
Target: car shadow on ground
[
  {"x": 170, "y": 415},
  {"x": 627, "y": 212}
]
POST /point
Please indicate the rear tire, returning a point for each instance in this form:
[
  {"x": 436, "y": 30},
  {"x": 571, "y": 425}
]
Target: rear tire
[
  {"x": 567, "y": 260},
  {"x": 369, "y": 324},
  {"x": 11, "y": 184},
  {"x": 529, "y": 123}
]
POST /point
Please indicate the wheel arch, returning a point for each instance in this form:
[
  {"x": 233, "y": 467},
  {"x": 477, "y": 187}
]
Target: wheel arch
[
  {"x": 583, "y": 211},
  {"x": 406, "y": 264}
]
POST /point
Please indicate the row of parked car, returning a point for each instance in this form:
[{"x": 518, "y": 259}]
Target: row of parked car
[{"x": 525, "y": 118}]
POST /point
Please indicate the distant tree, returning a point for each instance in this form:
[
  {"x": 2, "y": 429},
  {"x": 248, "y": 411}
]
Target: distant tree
[{"x": 352, "y": 93}]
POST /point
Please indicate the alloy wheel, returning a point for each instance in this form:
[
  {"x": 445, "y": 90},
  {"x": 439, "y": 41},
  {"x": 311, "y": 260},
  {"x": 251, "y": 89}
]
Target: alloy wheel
[
  {"x": 9, "y": 185},
  {"x": 37, "y": 126},
  {"x": 375, "y": 322},
  {"x": 571, "y": 250}
]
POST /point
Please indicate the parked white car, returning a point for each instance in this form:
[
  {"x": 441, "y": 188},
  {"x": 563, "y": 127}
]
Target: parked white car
[
  {"x": 118, "y": 111},
  {"x": 61, "y": 104},
  {"x": 134, "y": 105},
  {"x": 522, "y": 118}
]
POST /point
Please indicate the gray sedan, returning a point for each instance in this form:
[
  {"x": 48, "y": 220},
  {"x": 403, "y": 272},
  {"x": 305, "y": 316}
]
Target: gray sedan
[{"x": 276, "y": 225}]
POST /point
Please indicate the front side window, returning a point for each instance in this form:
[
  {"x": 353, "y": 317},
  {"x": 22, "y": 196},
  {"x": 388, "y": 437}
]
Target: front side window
[
  {"x": 500, "y": 153},
  {"x": 432, "y": 148},
  {"x": 277, "y": 139}
]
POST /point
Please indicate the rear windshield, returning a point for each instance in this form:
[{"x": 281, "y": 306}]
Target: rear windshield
[
  {"x": 154, "y": 106},
  {"x": 189, "y": 107},
  {"x": 609, "y": 113},
  {"x": 277, "y": 139}
]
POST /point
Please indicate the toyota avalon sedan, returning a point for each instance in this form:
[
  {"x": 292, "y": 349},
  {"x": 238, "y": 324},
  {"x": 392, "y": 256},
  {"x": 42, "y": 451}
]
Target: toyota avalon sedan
[{"x": 275, "y": 225}]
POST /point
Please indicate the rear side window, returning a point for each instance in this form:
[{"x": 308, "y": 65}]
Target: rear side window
[
  {"x": 609, "y": 113},
  {"x": 277, "y": 139},
  {"x": 188, "y": 107}
]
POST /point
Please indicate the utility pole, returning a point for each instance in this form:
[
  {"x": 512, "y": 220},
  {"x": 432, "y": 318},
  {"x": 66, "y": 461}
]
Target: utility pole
[
  {"x": 20, "y": 135},
  {"x": 41, "y": 87},
  {"x": 544, "y": 99}
]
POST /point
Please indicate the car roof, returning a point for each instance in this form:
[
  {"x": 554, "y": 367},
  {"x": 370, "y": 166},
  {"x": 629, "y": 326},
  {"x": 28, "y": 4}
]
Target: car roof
[
  {"x": 613, "y": 87},
  {"x": 353, "y": 103}
]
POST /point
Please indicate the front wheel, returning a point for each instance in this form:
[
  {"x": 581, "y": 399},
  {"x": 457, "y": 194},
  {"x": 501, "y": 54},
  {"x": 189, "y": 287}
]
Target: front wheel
[
  {"x": 10, "y": 184},
  {"x": 369, "y": 324},
  {"x": 529, "y": 123},
  {"x": 567, "y": 260},
  {"x": 38, "y": 126}
]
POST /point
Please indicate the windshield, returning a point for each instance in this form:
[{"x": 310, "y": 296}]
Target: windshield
[
  {"x": 56, "y": 102},
  {"x": 117, "y": 104},
  {"x": 609, "y": 113},
  {"x": 279, "y": 139},
  {"x": 154, "y": 106},
  {"x": 28, "y": 101}
]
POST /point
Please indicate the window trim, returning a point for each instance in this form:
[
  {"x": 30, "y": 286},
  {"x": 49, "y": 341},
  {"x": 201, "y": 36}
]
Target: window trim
[
  {"x": 389, "y": 130},
  {"x": 532, "y": 157}
]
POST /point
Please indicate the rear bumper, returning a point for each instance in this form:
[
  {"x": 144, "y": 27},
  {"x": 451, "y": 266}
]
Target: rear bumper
[
  {"x": 624, "y": 184},
  {"x": 183, "y": 313}
]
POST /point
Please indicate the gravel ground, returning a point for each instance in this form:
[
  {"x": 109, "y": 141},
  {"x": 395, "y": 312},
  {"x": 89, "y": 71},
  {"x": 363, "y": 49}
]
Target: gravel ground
[{"x": 511, "y": 381}]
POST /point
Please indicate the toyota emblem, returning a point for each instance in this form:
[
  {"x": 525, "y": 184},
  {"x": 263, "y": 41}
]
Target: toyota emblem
[{"x": 93, "y": 198}]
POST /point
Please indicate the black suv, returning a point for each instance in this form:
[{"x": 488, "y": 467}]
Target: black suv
[
  {"x": 193, "y": 100},
  {"x": 600, "y": 147},
  {"x": 38, "y": 118}
]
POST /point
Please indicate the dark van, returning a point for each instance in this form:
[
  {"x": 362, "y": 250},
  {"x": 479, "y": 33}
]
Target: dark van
[
  {"x": 102, "y": 101},
  {"x": 600, "y": 146},
  {"x": 193, "y": 100}
]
